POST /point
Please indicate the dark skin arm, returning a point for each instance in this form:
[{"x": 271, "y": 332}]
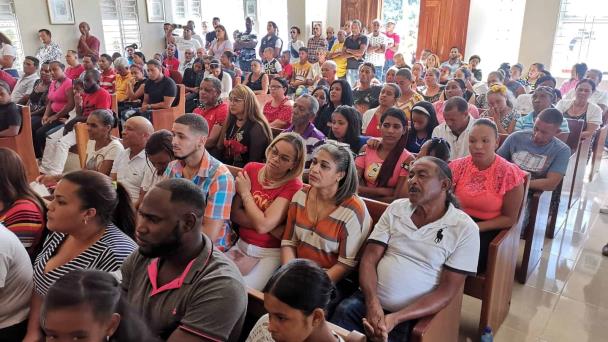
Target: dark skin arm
[
  {"x": 549, "y": 183},
  {"x": 368, "y": 280}
]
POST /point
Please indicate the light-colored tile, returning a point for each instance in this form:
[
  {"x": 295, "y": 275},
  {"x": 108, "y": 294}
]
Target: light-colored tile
[
  {"x": 589, "y": 281},
  {"x": 551, "y": 274},
  {"x": 576, "y": 321},
  {"x": 566, "y": 244},
  {"x": 506, "y": 334},
  {"x": 530, "y": 310}
]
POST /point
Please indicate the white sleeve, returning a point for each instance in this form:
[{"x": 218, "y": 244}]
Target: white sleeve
[
  {"x": 117, "y": 165},
  {"x": 8, "y": 50},
  {"x": 381, "y": 232},
  {"x": 594, "y": 114},
  {"x": 466, "y": 254},
  {"x": 148, "y": 180},
  {"x": 367, "y": 118},
  {"x": 113, "y": 151},
  {"x": 4, "y": 264},
  {"x": 563, "y": 105}
]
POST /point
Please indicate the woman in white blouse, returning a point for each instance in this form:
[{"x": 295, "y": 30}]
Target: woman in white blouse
[
  {"x": 581, "y": 109},
  {"x": 221, "y": 43}
]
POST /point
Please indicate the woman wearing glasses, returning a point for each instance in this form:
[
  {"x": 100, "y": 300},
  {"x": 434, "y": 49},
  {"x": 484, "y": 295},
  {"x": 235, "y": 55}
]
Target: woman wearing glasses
[{"x": 264, "y": 191}]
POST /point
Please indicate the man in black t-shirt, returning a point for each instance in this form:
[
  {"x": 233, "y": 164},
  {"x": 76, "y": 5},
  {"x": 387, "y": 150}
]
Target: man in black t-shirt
[
  {"x": 159, "y": 91},
  {"x": 355, "y": 46}
]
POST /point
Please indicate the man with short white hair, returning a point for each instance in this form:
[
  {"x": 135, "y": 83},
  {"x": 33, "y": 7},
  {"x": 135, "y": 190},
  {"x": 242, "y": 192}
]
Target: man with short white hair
[
  {"x": 186, "y": 42},
  {"x": 328, "y": 73},
  {"x": 188, "y": 60},
  {"x": 305, "y": 110},
  {"x": 123, "y": 77},
  {"x": 129, "y": 165}
]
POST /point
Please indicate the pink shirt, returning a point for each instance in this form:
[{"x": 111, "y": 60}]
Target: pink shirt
[
  {"x": 370, "y": 163},
  {"x": 481, "y": 192},
  {"x": 57, "y": 97},
  {"x": 389, "y": 54},
  {"x": 440, "y": 107}
]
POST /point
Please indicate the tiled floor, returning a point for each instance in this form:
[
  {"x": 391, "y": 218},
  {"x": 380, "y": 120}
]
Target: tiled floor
[{"x": 566, "y": 298}]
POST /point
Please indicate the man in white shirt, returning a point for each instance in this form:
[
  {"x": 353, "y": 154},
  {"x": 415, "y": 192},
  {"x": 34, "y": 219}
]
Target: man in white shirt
[
  {"x": 129, "y": 165},
  {"x": 195, "y": 36},
  {"x": 25, "y": 85},
  {"x": 188, "y": 60},
  {"x": 49, "y": 50},
  {"x": 456, "y": 128},
  {"x": 186, "y": 42},
  {"x": 416, "y": 259},
  {"x": 376, "y": 48}
]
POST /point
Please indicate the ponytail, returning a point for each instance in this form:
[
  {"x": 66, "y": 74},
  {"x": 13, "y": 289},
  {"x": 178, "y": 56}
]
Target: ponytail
[{"x": 124, "y": 215}]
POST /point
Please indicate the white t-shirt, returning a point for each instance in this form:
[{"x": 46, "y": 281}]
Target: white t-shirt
[
  {"x": 7, "y": 50},
  {"x": 597, "y": 97},
  {"x": 296, "y": 47},
  {"x": 151, "y": 177},
  {"x": 260, "y": 332},
  {"x": 24, "y": 86},
  {"x": 130, "y": 172},
  {"x": 16, "y": 279},
  {"x": 182, "y": 45},
  {"x": 376, "y": 58},
  {"x": 414, "y": 258},
  {"x": 459, "y": 145},
  {"x": 108, "y": 152},
  {"x": 367, "y": 118},
  {"x": 594, "y": 112}
]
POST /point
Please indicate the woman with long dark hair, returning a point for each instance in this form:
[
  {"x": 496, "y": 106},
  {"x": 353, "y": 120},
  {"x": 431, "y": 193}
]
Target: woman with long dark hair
[
  {"x": 92, "y": 223},
  {"x": 90, "y": 301},
  {"x": 21, "y": 209},
  {"x": 340, "y": 93},
  {"x": 383, "y": 170},
  {"x": 424, "y": 121},
  {"x": 346, "y": 127}
]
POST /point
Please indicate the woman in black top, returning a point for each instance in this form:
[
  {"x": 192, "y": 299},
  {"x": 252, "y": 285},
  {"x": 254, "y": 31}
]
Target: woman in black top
[
  {"x": 424, "y": 121},
  {"x": 247, "y": 133},
  {"x": 340, "y": 93},
  {"x": 38, "y": 98},
  {"x": 257, "y": 80}
]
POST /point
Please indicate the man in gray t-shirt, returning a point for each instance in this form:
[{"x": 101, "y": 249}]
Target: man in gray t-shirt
[{"x": 539, "y": 151}]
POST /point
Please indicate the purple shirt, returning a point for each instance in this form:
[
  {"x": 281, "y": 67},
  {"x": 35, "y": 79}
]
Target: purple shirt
[{"x": 313, "y": 139}]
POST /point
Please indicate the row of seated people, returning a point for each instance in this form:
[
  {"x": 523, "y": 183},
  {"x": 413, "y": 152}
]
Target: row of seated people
[{"x": 267, "y": 194}]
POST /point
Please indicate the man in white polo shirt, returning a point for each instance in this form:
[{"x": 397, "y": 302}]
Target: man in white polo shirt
[
  {"x": 129, "y": 165},
  {"x": 416, "y": 259},
  {"x": 455, "y": 130}
]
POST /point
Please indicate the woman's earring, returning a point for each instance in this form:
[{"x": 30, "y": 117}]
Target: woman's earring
[{"x": 85, "y": 221}]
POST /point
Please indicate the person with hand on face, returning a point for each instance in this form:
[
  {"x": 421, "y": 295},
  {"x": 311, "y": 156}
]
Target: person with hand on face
[
  {"x": 501, "y": 109},
  {"x": 88, "y": 44},
  {"x": 297, "y": 297},
  {"x": 457, "y": 126},
  {"x": 49, "y": 51},
  {"x": 176, "y": 266},
  {"x": 264, "y": 191},
  {"x": 278, "y": 110},
  {"x": 382, "y": 170},
  {"x": 396, "y": 288},
  {"x": 195, "y": 163},
  {"x": 305, "y": 109}
]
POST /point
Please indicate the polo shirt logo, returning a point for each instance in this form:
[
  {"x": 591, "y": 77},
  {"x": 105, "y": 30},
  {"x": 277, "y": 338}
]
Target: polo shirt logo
[{"x": 439, "y": 236}]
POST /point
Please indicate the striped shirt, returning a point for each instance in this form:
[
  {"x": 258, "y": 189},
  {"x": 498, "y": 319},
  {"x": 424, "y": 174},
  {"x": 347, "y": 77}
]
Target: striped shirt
[
  {"x": 107, "y": 254},
  {"x": 217, "y": 184},
  {"x": 336, "y": 238},
  {"x": 25, "y": 219},
  {"x": 107, "y": 80}
]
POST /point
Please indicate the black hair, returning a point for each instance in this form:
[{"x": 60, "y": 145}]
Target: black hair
[
  {"x": 580, "y": 70},
  {"x": 93, "y": 58},
  {"x": 488, "y": 123},
  {"x": 141, "y": 55},
  {"x": 303, "y": 48},
  {"x": 301, "y": 284},
  {"x": 475, "y": 57},
  {"x": 195, "y": 122},
  {"x": 396, "y": 89},
  {"x": 467, "y": 73},
  {"x": 111, "y": 201},
  {"x": 367, "y": 64},
  {"x": 61, "y": 65},
  {"x": 353, "y": 132},
  {"x": 551, "y": 116},
  {"x": 102, "y": 294},
  {"x": 155, "y": 63},
  {"x": 326, "y": 91},
  {"x": 539, "y": 66},
  {"x": 45, "y": 31},
  {"x": 283, "y": 82},
  {"x": 230, "y": 55},
  {"x": 106, "y": 57},
  {"x": 296, "y": 28},
  {"x": 439, "y": 148},
  {"x": 347, "y": 93},
  {"x": 186, "y": 193},
  {"x": 404, "y": 72},
  {"x": 460, "y": 84},
  {"x": 432, "y": 119},
  {"x": 546, "y": 78},
  {"x": 458, "y": 102},
  {"x": 445, "y": 173},
  {"x": 390, "y": 162},
  {"x": 160, "y": 141},
  {"x": 34, "y": 60},
  {"x": 588, "y": 81}
]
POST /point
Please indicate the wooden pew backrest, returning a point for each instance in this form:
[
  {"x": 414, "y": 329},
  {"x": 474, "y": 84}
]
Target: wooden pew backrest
[
  {"x": 23, "y": 144},
  {"x": 82, "y": 139}
]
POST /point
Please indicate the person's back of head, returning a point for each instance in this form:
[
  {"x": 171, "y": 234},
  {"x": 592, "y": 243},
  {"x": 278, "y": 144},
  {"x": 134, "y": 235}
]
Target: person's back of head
[
  {"x": 458, "y": 103},
  {"x": 551, "y": 116},
  {"x": 185, "y": 194}
]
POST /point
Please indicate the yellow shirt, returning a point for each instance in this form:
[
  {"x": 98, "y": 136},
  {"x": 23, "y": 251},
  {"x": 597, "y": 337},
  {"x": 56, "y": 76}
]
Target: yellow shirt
[
  {"x": 340, "y": 61},
  {"x": 409, "y": 104},
  {"x": 120, "y": 83}
]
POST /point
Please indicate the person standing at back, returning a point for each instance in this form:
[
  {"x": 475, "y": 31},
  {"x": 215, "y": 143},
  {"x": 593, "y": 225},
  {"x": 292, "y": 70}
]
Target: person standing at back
[
  {"x": 355, "y": 46},
  {"x": 393, "y": 45},
  {"x": 376, "y": 50},
  {"x": 88, "y": 44}
]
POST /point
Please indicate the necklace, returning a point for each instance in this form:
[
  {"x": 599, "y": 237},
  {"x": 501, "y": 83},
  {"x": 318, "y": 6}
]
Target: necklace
[{"x": 419, "y": 142}]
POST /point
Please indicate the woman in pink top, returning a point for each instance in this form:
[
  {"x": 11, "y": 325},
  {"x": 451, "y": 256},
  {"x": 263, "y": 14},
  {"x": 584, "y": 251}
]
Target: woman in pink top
[
  {"x": 60, "y": 101},
  {"x": 264, "y": 192},
  {"x": 489, "y": 188},
  {"x": 279, "y": 109},
  {"x": 454, "y": 87},
  {"x": 383, "y": 170}
]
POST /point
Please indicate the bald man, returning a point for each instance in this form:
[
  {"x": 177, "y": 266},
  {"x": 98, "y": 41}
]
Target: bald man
[{"x": 129, "y": 165}]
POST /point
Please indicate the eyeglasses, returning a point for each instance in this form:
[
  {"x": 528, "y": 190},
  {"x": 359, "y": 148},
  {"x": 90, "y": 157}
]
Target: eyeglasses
[
  {"x": 275, "y": 87},
  {"x": 274, "y": 152},
  {"x": 235, "y": 99}
]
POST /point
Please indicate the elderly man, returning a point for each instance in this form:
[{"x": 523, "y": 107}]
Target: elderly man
[
  {"x": 305, "y": 110},
  {"x": 457, "y": 126},
  {"x": 49, "y": 50},
  {"x": 24, "y": 86},
  {"x": 416, "y": 259},
  {"x": 129, "y": 165},
  {"x": 123, "y": 77},
  {"x": 186, "y": 289},
  {"x": 338, "y": 55},
  {"x": 542, "y": 98},
  {"x": 328, "y": 73},
  {"x": 330, "y": 36},
  {"x": 215, "y": 181},
  {"x": 188, "y": 60},
  {"x": 88, "y": 44},
  {"x": 316, "y": 43}
]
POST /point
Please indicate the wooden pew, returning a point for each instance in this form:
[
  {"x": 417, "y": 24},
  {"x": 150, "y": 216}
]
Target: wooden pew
[
  {"x": 494, "y": 288},
  {"x": 580, "y": 165},
  {"x": 23, "y": 144},
  {"x": 82, "y": 139},
  {"x": 163, "y": 118},
  {"x": 598, "y": 151}
]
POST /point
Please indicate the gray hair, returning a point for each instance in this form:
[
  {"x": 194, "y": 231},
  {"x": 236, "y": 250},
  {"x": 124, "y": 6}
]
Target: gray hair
[
  {"x": 215, "y": 82},
  {"x": 313, "y": 104},
  {"x": 121, "y": 62},
  {"x": 332, "y": 64},
  {"x": 345, "y": 162}
]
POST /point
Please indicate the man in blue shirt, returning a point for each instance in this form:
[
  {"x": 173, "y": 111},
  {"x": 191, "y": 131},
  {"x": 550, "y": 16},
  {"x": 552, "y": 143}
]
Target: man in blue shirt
[{"x": 543, "y": 98}]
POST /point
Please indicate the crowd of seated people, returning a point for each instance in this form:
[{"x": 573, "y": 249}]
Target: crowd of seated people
[{"x": 262, "y": 182}]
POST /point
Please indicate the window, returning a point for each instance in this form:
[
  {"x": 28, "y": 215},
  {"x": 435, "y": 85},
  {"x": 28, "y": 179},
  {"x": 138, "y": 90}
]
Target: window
[
  {"x": 581, "y": 36},
  {"x": 120, "y": 24},
  {"x": 406, "y": 15},
  {"x": 10, "y": 27},
  {"x": 184, "y": 10}
]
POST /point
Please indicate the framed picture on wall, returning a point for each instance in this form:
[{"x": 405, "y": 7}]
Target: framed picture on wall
[
  {"x": 250, "y": 8},
  {"x": 156, "y": 11},
  {"x": 61, "y": 11},
  {"x": 312, "y": 27}
]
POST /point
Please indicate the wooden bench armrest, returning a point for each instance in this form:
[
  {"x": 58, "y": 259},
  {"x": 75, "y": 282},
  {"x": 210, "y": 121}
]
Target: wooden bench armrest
[
  {"x": 442, "y": 326},
  {"x": 162, "y": 118}
]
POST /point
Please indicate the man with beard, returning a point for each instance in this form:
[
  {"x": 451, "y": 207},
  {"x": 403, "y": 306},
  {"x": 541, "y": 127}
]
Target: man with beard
[
  {"x": 416, "y": 258},
  {"x": 215, "y": 181},
  {"x": 186, "y": 289}
]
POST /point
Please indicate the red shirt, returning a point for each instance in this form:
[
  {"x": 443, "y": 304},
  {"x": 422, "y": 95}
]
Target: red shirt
[
  {"x": 283, "y": 112},
  {"x": 215, "y": 115},
  {"x": 287, "y": 71},
  {"x": 74, "y": 72},
  {"x": 6, "y": 77},
  {"x": 93, "y": 44},
  {"x": 389, "y": 54},
  {"x": 100, "y": 99},
  {"x": 107, "y": 80},
  {"x": 171, "y": 63},
  {"x": 263, "y": 198}
]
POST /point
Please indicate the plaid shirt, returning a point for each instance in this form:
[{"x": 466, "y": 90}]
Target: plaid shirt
[
  {"x": 217, "y": 184},
  {"x": 315, "y": 44}
]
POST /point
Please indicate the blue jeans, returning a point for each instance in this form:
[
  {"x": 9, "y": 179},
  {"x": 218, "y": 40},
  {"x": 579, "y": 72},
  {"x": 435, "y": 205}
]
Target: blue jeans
[
  {"x": 387, "y": 64},
  {"x": 378, "y": 72},
  {"x": 351, "y": 311},
  {"x": 352, "y": 76}
]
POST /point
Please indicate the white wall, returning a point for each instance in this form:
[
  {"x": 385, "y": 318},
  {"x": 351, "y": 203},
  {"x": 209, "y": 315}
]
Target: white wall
[
  {"x": 494, "y": 31},
  {"x": 540, "y": 25}
]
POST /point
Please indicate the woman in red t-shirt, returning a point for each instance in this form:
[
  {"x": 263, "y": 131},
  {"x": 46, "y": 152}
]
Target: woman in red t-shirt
[
  {"x": 278, "y": 110},
  {"x": 489, "y": 188},
  {"x": 264, "y": 192},
  {"x": 212, "y": 108}
]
